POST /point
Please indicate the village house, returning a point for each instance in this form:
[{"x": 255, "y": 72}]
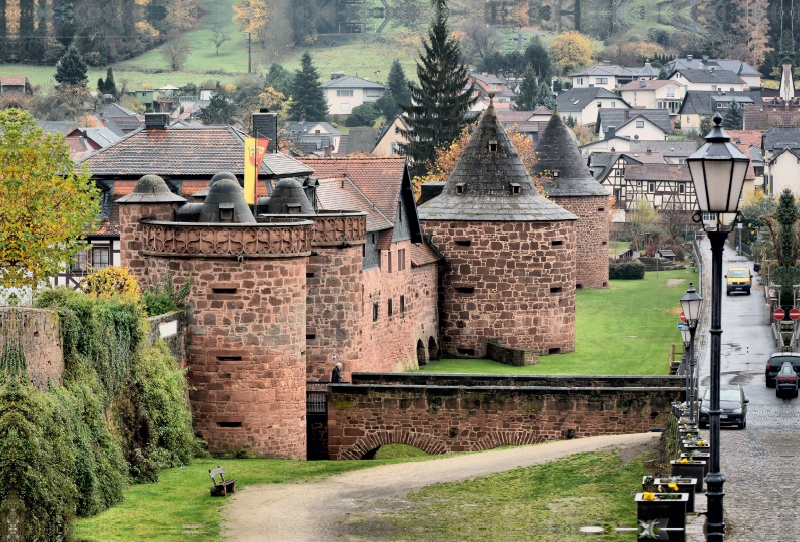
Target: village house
[
  {"x": 781, "y": 148},
  {"x": 119, "y": 119},
  {"x": 484, "y": 83},
  {"x": 582, "y": 104},
  {"x": 15, "y": 85},
  {"x": 310, "y": 137},
  {"x": 610, "y": 76},
  {"x": 654, "y": 94},
  {"x": 710, "y": 80},
  {"x": 673, "y": 152},
  {"x": 390, "y": 138},
  {"x": 702, "y": 104},
  {"x": 644, "y": 124},
  {"x": 667, "y": 187},
  {"x": 750, "y": 76},
  {"x": 345, "y": 92}
]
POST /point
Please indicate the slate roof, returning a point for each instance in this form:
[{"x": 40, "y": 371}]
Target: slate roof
[
  {"x": 657, "y": 172},
  {"x": 489, "y": 78},
  {"x": 602, "y": 174},
  {"x": 575, "y": 99},
  {"x": 186, "y": 151},
  {"x": 378, "y": 178},
  {"x": 557, "y": 151},
  {"x": 652, "y": 84},
  {"x": 724, "y": 77},
  {"x": 341, "y": 194},
  {"x": 648, "y": 71},
  {"x": 736, "y": 66},
  {"x": 666, "y": 148},
  {"x": 795, "y": 152},
  {"x": 115, "y": 110},
  {"x": 644, "y": 158},
  {"x": 102, "y": 136},
  {"x": 608, "y": 69},
  {"x": 701, "y": 102},
  {"x": 56, "y": 127},
  {"x": 302, "y": 128},
  {"x": 351, "y": 81},
  {"x": 620, "y": 117},
  {"x": 755, "y": 153},
  {"x": 422, "y": 254},
  {"x": 485, "y": 179},
  {"x": 362, "y": 140},
  {"x": 781, "y": 137}
]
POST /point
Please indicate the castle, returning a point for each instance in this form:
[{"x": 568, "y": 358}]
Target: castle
[{"x": 343, "y": 266}]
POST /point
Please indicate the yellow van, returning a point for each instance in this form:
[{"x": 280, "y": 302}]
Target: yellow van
[{"x": 739, "y": 280}]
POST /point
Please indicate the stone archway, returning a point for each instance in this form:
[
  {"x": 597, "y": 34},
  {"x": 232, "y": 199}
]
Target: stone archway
[
  {"x": 433, "y": 349},
  {"x": 422, "y": 356},
  {"x": 508, "y": 438},
  {"x": 366, "y": 446}
]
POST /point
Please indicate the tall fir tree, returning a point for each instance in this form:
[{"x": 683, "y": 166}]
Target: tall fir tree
[
  {"x": 398, "y": 84},
  {"x": 536, "y": 56},
  {"x": 220, "y": 109},
  {"x": 663, "y": 74},
  {"x": 101, "y": 85},
  {"x": 71, "y": 69},
  {"x": 526, "y": 98},
  {"x": 309, "y": 99},
  {"x": 734, "y": 117},
  {"x": 440, "y": 102},
  {"x": 110, "y": 86},
  {"x": 545, "y": 97}
]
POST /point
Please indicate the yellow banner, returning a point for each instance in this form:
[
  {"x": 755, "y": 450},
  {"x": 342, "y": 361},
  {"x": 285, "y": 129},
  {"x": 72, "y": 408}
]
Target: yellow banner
[{"x": 254, "y": 151}]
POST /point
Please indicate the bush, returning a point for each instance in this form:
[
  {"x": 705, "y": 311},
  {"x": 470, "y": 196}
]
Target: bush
[
  {"x": 110, "y": 281},
  {"x": 164, "y": 298},
  {"x": 626, "y": 270},
  {"x": 680, "y": 254}
]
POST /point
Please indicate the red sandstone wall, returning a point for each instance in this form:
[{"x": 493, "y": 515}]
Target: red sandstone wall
[
  {"x": 592, "y": 239},
  {"x": 131, "y": 231},
  {"x": 446, "y": 420},
  {"x": 334, "y": 310},
  {"x": 425, "y": 308},
  {"x": 512, "y": 267}
]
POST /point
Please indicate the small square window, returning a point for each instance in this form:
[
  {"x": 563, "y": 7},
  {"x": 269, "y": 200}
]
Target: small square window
[
  {"x": 681, "y": 188},
  {"x": 460, "y": 188},
  {"x": 640, "y": 124},
  {"x": 555, "y": 173},
  {"x": 493, "y": 146},
  {"x": 599, "y": 104},
  {"x": 516, "y": 189}
]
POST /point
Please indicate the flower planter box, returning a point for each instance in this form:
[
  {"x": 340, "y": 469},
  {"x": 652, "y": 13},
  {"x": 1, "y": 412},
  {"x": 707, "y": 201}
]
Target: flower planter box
[
  {"x": 689, "y": 470},
  {"x": 700, "y": 449},
  {"x": 673, "y": 510},
  {"x": 699, "y": 457},
  {"x": 685, "y": 485},
  {"x": 684, "y": 433}
]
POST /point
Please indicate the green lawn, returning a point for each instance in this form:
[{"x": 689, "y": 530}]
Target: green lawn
[
  {"x": 544, "y": 503},
  {"x": 625, "y": 329}
]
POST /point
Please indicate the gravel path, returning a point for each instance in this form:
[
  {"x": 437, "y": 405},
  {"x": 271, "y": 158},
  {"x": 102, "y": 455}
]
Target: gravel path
[{"x": 311, "y": 511}]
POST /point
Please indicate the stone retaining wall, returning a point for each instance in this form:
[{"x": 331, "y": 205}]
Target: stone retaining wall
[
  {"x": 169, "y": 327},
  {"x": 557, "y": 381},
  {"x": 39, "y": 331}
]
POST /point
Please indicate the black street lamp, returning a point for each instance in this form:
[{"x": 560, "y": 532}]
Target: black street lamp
[
  {"x": 718, "y": 169},
  {"x": 690, "y": 303}
]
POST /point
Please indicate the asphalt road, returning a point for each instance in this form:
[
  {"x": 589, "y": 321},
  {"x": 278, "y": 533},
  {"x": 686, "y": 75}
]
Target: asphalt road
[{"x": 746, "y": 340}]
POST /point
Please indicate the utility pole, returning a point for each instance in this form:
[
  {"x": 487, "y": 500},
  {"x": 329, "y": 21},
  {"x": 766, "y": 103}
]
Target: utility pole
[{"x": 249, "y": 56}]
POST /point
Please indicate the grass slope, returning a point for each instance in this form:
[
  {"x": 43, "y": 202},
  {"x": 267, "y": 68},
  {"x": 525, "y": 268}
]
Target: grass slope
[
  {"x": 625, "y": 329},
  {"x": 543, "y": 503}
]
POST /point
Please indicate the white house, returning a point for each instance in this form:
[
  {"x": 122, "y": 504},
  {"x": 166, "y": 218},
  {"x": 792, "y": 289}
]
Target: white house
[
  {"x": 655, "y": 94},
  {"x": 609, "y": 76},
  {"x": 346, "y": 92},
  {"x": 750, "y": 75},
  {"x": 645, "y": 124},
  {"x": 582, "y": 104},
  {"x": 713, "y": 80}
]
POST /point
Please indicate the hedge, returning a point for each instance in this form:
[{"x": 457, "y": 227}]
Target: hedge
[{"x": 630, "y": 270}]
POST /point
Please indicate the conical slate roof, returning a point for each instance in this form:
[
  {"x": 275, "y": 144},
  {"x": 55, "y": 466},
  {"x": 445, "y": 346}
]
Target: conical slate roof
[
  {"x": 490, "y": 183},
  {"x": 558, "y": 155}
]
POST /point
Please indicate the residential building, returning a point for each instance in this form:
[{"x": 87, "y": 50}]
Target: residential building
[
  {"x": 609, "y": 76},
  {"x": 745, "y": 71},
  {"x": 668, "y": 187},
  {"x": 15, "y": 85},
  {"x": 312, "y": 137},
  {"x": 781, "y": 148},
  {"x": 362, "y": 140},
  {"x": 84, "y": 141},
  {"x": 390, "y": 138},
  {"x": 582, "y": 104},
  {"x": 763, "y": 116},
  {"x": 673, "y": 152},
  {"x": 484, "y": 83},
  {"x": 608, "y": 168},
  {"x": 655, "y": 94},
  {"x": 119, "y": 119},
  {"x": 645, "y": 124},
  {"x": 347, "y": 92},
  {"x": 710, "y": 80},
  {"x": 702, "y": 104}
]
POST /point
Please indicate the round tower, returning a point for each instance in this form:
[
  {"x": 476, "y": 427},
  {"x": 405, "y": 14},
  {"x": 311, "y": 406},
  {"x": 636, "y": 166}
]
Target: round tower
[
  {"x": 573, "y": 188},
  {"x": 509, "y": 271}
]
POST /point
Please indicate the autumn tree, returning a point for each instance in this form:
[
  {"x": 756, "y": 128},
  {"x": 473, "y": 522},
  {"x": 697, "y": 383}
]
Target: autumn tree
[
  {"x": 571, "y": 50},
  {"x": 252, "y": 16},
  {"x": 218, "y": 37},
  {"x": 47, "y": 207},
  {"x": 480, "y": 39},
  {"x": 436, "y": 114},
  {"x": 641, "y": 219},
  {"x": 753, "y": 26},
  {"x": 176, "y": 52},
  {"x": 583, "y": 133}
]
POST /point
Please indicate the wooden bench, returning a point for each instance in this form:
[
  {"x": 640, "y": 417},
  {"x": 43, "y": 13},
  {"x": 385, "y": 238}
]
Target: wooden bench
[{"x": 222, "y": 488}]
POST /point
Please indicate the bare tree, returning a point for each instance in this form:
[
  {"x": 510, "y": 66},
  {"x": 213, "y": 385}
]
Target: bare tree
[
  {"x": 218, "y": 37},
  {"x": 176, "y": 52},
  {"x": 481, "y": 39}
]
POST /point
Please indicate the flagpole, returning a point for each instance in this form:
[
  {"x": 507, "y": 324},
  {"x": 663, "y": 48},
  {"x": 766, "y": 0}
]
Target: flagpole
[{"x": 255, "y": 184}]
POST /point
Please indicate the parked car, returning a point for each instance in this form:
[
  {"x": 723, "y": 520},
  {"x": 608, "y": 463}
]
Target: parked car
[
  {"x": 786, "y": 383},
  {"x": 738, "y": 279},
  {"x": 732, "y": 403},
  {"x": 775, "y": 362},
  {"x": 757, "y": 267}
]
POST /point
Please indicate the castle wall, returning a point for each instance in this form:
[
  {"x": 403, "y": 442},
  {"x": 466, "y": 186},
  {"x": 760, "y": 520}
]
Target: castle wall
[
  {"x": 514, "y": 281},
  {"x": 591, "y": 236},
  {"x": 38, "y": 332}
]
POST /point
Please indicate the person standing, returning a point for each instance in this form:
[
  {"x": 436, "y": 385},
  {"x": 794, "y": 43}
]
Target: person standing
[{"x": 337, "y": 372}]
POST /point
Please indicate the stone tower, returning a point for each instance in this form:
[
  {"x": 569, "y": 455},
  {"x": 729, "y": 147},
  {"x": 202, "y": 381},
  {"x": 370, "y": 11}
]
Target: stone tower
[
  {"x": 510, "y": 253},
  {"x": 246, "y": 311},
  {"x": 574, "y": 189}
]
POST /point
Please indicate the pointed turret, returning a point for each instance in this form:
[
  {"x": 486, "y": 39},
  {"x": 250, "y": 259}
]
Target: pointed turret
[
  {"x": 559, "y": 157},
  {"x": 490, "y": 182}
]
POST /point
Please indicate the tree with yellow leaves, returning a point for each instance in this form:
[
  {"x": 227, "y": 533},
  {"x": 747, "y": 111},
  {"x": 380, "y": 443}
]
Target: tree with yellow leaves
[
  {"x": 250, "y": 15},
  {"x": 571, "y": 50},
  {"x": 46, "y": 207}
]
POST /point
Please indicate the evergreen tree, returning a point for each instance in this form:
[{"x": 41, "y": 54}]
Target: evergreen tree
[
  {"x": 663, "y": 74},
  {"x": 309, "y": 98},
  {"x": 398, "y": 84},
  {"x": 733, "y": 117},
  {"x": 440, "y": 102},
  {"x": 545, "y": 97},
  {"x": 536, "y": 57},
  {"x": 71, "y": 69},
  {"x": 280, "y": 79},
  {"x": 526, "y": 98},
  {"x": 111, "y": 86},
  {"x": 571, "y": 121},
  {"x": 101, "y": 85},
  {"x": 220, "y": 109},
  {"x": 705, "y": 126}
]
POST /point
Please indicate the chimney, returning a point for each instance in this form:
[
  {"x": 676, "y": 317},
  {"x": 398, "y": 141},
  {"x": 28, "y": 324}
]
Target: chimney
[
  {"x": 642, "y": 83},
  {"x": 156, "y": 121},
  {"x": 265, "y": 124},
  {"x": 328, "y": 151},
  {"x": 649, "y": 151},
  {"x": 611, "y": 132},
  {"x": 606, "y": 63},
  {"x": 627, "y": 114},
  {"x": 705, "y": 59},
  {"x": 688, "y": 57}
]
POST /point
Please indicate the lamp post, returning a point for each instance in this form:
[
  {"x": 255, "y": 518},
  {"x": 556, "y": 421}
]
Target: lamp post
[
  {"x": 718, "y": 169},
  {"x": 691, "y": 303}
]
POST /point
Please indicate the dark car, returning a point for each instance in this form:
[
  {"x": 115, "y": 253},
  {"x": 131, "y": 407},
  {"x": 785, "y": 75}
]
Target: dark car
[
  {"x": 732, "y": 403},
  {"x": 775, "y": 362},
  {"x": 757, "y": 267},
  {"x": 786, "y": 382}
]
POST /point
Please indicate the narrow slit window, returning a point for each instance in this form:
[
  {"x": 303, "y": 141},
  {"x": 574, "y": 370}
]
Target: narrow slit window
[
  {"x": 463, "y": 242},
  {"x": 375, "y": 311},
  {"x": 229, "y": 424},
  {"x": 402, "y": 304},
  {"x": 309, "y": 275},
  {"x": 465, "y": 289},
  {"x": 556, "y": 243},
  {"x": 390, "y": 307},
  {"x": 229, "y": 358},
  {"x": 555, "y": 290},
  {"x": 223, "y": 290}
]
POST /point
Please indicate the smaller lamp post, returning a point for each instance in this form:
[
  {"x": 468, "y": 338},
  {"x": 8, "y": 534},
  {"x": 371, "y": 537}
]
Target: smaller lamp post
[{"x": 691, "y": 303}]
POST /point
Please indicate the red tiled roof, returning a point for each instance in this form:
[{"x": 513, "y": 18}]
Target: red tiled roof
[
  {"x": 190, "y": 188},
  {"x": 123, "y": 188},
  {"x": 422, "y": 254},
  {"x": 339, "y": 194},
  {"x": 745, "y": 148},
  {"x": 13, "y": 81},
  {"x": 385, "y": 239},
  {"x": 747, "y": 137},
  {"x": 657, "y": 172},
  {"x": 379, "y": 178}
]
